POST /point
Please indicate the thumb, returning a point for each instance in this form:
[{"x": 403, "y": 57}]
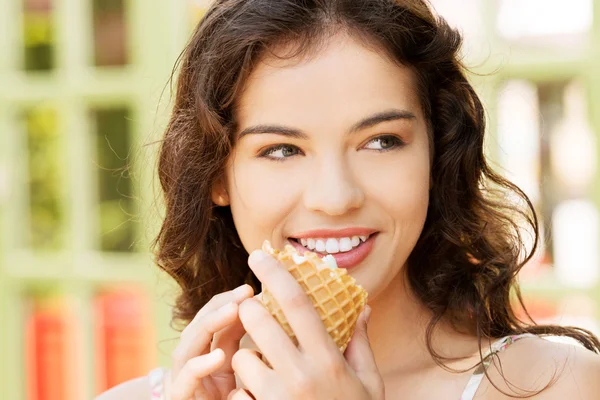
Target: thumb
[{"x": 359, "y": 356}]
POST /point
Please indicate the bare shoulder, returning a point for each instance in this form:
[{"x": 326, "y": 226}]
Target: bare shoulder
[
  {"x": 135, "y": 389},
  {"x": 532, "y": 364}
]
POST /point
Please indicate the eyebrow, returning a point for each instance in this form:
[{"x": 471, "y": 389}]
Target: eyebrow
[{"x": 368, "y": 122}]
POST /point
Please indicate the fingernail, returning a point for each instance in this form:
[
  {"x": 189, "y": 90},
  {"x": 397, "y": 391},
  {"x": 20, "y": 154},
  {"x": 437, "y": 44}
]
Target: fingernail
[
  {"x": 257, "y": 256},
  {"x": 241, "y": 291},
  {"x": 367, "y": 314}
]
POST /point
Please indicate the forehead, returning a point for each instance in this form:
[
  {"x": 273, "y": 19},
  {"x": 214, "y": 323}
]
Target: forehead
[{"x": 344, "y": 79}]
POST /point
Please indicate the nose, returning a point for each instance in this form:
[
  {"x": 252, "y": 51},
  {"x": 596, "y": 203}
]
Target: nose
[{"x": 333, "y": 190}]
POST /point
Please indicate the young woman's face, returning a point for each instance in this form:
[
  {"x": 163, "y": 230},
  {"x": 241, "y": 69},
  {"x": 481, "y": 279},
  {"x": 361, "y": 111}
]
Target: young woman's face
[{"x": 329, "y": 150}]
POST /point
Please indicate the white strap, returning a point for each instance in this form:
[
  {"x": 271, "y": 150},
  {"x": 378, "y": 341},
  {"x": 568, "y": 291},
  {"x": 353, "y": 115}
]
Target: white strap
[
  {"x": 472, "y": 387},
  {"x": 479, "y": 372}
]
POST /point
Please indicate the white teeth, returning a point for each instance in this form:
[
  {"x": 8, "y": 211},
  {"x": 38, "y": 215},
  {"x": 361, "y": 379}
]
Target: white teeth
[
  {"x": 320, "y": 245},
  {"x": 332, "y": 246},
  {"x": 345, "y": 244}
]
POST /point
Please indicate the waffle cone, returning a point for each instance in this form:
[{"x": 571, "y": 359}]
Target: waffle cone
[{"x": 335, "y": 295}]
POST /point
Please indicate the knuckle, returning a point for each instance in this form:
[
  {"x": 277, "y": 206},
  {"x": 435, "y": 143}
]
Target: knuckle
[
  {"x": 216, "y": 299},
  {"x": 297, "y": 299},
  {"x": 178, "y": 354},
  {"x": 203, "y": 333},
  {"x": 301, "y": 386},
  {"x": 273, "y": 271},
  {"x": 221, "y": 296},
  {"x": 194, "y": 334},
  {"x": 248, "y": 313},
  {"x": 205, "y": 327},
  {"x": 333, "y": 367}
]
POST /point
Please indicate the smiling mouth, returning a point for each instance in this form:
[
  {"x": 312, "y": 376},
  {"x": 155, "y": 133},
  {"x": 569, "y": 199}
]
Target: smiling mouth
[
  {"x": 332, "y": 245},
  {"x": 348, "y": 252}
]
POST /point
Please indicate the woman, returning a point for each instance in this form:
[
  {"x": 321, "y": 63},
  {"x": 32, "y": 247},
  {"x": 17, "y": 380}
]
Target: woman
[{"x": 346, "y": 127}]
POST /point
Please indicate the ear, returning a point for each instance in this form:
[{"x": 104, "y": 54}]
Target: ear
[{"x": 219, "y": 194}]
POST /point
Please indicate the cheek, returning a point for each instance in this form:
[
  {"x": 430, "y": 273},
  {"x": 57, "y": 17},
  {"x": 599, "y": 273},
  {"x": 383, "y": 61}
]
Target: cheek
[
  {"x": 400, "y": 187},
  {"x": 261, "y": 197},
  {"x": 400, "y": 192}
]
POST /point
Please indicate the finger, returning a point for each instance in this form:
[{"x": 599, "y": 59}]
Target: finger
[
  {"x": 295, "y": 304},
  {"x": 236, "y": 295},
  {"x": 189, "y": 344},
  {"x": 189, "y": 380},
  {"x": 240, "y": 394},
  {"x": 227, "y": 339},
  {"x": 270, "y": 337},
  {"x": 359, "y": 355},
  {"x": 253, "y": 373},
  {"x": 195, "y": 342},
  {"x": 248, "y": 343}
]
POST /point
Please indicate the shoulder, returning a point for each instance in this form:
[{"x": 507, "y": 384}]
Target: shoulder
[
  {"x": 530, "y": 364},
  {"x": 135, "y": 389}
]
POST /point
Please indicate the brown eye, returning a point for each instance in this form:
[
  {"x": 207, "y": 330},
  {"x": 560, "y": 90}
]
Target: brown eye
[
  {"x": 280, "y": 152},
  {"x": 289, "y": 151},
  {"x": 386, "y": 142}
]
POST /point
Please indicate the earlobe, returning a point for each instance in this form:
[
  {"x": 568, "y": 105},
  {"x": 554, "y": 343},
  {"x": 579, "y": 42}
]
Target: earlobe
[
  {"x": 219, "y": 195},
  {"x": 220, "y": 199}
]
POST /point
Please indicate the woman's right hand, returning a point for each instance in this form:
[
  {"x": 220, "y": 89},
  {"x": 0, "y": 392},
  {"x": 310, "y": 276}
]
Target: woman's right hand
[{"x": 201, "y": 367}]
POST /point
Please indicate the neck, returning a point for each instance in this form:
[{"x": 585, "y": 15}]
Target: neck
[{"x": 397, "y": 331}]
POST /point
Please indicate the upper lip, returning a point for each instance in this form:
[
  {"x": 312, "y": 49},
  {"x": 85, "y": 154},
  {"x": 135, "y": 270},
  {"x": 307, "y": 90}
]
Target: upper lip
[{"x": 334, "y": 233}]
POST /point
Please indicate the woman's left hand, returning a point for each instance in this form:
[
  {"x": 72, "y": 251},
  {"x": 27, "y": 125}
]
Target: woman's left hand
[{"x": 316, "y": 369}]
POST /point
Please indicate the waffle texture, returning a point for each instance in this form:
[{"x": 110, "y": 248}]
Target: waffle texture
[{"x": 335, "y": 295}]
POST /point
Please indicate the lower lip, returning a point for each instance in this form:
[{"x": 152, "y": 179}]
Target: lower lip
[{"x": 349, "y": 259}]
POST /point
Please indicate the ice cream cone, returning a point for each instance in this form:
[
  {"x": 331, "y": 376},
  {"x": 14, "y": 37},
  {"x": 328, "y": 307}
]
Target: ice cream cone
[{"x": 335, "y": 295}]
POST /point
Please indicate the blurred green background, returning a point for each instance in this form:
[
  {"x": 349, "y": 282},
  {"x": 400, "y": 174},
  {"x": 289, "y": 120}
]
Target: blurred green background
[{"x": 84, "y": 93}]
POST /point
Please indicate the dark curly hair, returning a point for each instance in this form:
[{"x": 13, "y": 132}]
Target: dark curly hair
[{"x": 465, "y": 263}]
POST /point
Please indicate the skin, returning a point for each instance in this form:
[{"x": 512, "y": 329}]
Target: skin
[
  {"x": 337, "y": 179},
  {"x": 333, "y": 180}
]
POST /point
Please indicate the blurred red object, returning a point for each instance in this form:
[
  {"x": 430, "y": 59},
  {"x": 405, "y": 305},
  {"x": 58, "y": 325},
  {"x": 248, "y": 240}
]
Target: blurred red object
[
  {"x": 50, "y": 347},
  {"x": 124, "y": 337}
]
